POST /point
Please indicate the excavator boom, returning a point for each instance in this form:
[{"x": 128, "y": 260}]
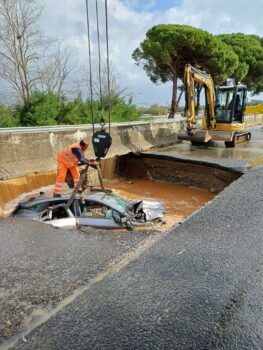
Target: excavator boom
[{"x": 196, "y": 78}]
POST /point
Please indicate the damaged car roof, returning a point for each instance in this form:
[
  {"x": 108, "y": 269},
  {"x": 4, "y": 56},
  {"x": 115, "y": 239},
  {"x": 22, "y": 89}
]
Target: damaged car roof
[{"x": 99, "y": 197}]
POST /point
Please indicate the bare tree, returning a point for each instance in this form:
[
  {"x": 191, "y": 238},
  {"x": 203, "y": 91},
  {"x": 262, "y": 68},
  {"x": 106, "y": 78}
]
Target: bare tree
[
  {"x": 56, "y": 69},
  {"x": 116, "y": 89},
  {"x": 20, "y": 44},
  {"x": 28, "y": 60}
]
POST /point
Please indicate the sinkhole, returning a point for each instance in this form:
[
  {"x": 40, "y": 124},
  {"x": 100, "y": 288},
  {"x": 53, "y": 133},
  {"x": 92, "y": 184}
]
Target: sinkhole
[{"x": 182, "y": 186}]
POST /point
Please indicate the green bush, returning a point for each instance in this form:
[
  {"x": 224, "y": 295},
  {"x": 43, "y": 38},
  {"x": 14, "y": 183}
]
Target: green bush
[
  {"x": 7, "y": 119},
  {"x": 50, "y": 109},
  {"x": 122, "y": 111},
  {"x": 73, "y": 112},
  {"x": 41, "y": 109}
]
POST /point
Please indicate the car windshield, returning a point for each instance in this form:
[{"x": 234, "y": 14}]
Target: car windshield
[{"x": 117, "y": 201}]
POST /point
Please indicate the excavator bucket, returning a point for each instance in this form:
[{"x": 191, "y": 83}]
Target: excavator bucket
[{"x": 198, "y": 136}]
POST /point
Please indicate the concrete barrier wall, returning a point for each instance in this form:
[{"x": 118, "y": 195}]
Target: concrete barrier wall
[
  {"x": 253, "y": 119},
  {"x": 28, "y": 152}
]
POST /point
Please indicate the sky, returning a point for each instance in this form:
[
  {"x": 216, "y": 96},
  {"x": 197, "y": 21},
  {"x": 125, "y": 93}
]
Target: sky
[{"x": 129, "y": 20}]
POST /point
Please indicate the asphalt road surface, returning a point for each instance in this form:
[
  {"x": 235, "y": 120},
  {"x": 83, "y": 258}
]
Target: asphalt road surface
[
  {"x": 196, "y": 287},
  {"x": 240, "y": 158}
]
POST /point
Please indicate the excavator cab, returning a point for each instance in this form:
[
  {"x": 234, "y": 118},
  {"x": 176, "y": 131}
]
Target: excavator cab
[{"x": 230, "y": 104}]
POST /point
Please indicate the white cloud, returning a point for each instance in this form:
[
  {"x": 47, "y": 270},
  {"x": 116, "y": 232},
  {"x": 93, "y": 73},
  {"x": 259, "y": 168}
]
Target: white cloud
[{"x": 127, "y": 29}]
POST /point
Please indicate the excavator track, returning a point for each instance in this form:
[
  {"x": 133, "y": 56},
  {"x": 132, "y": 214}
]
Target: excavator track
[{"x": 238, "y": 138}]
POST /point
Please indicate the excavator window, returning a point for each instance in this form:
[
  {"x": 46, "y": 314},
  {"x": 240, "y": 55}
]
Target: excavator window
[
  {"x": 229, "y": 106},
  {"x": 239, "y": 107},
  {"x": 223, "y": 108}
]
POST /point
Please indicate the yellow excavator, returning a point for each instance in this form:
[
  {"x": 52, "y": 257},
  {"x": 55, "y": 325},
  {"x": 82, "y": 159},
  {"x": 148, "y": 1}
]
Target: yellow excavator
[{"x": 223, "y": 118}]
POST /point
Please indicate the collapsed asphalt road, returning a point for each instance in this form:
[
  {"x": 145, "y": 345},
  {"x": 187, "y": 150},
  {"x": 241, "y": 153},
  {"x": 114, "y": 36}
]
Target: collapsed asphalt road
[{"x": 196, "y": 287}]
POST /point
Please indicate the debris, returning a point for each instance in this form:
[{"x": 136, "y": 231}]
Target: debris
[
  {"x": 181, "y": 252},
  {"x": 24, "y": 339}
]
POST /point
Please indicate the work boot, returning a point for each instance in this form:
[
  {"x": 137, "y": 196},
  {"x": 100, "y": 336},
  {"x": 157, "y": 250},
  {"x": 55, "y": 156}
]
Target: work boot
[{"x": 56, "y": 195}]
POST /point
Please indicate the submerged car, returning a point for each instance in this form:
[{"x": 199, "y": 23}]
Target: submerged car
[{"x": 97, "y": 210}]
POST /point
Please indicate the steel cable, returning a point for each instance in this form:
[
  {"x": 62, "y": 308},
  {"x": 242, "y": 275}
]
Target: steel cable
[
  {"x": 90, "y": 68},
  {"x": 108, "y": 63},
  {"x": 102, "y": 122}
]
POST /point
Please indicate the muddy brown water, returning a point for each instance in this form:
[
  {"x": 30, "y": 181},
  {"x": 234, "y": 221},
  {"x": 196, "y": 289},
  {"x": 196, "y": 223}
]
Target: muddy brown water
[{"x": 180, "y": 201}]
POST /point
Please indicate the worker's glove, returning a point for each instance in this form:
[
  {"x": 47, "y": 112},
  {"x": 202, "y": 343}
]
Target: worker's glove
[{"x": 93, "y": 163}]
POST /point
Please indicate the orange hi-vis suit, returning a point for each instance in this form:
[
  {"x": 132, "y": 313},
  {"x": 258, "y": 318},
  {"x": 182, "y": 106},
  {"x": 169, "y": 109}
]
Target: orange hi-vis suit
[{"x": 67, "y": 160}]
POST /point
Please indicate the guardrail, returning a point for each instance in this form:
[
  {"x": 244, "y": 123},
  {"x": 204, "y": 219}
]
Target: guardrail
[{"x": 55, "y": 128}]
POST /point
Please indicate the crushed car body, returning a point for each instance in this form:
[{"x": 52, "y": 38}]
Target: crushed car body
[{"x": 97, "y": 210}]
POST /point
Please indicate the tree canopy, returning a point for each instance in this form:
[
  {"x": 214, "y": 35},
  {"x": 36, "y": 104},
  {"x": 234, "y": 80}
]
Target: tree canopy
[
  {"x": 249, "y": 49},
  {"x": 168, "y": 47}
]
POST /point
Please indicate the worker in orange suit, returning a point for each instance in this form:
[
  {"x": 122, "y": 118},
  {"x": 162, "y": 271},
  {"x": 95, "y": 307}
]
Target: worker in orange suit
[{"x": 69, "y": 159}]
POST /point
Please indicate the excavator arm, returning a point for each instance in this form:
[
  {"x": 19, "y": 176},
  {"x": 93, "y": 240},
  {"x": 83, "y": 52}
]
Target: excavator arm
[{"x": 196, "y": 78}]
